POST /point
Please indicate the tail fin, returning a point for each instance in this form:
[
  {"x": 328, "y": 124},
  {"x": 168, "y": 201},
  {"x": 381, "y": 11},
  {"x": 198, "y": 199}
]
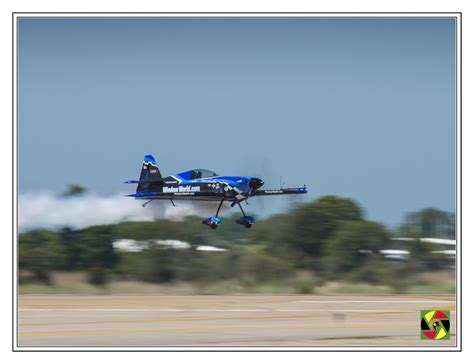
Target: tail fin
[{"x": 149, "y": 173}]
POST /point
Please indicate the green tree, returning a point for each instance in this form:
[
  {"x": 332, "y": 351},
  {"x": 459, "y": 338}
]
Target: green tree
[
  {"x": 96, "y": 246},
  {"x": 72, "y": 248},
  {"x": 159, "y": 264},
  {"x": 314, "y": 223},
  {"x": 429, "y": 223},
  {"x": 97, "y": 275},
  {"x": 262, "y": 268},
  {"x": 274, "y": 233},
  {"x": 40, "y": 252},
  {"x": 377, "y": 270},
  {"x": 74, "y": 190},
  {"x": 343, "y": 250},
  {"x": 422, "y": 257}
]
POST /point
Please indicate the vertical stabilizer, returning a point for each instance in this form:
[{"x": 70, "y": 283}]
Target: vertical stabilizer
[{"x": 149, "y": 173}]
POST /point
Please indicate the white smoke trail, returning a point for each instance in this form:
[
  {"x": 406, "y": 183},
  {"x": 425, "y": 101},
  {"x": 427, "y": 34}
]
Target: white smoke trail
[{"x": 45, "y": 210}]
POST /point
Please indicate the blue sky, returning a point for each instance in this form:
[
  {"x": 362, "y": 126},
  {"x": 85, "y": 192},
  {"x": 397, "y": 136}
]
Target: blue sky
[{"x": 363, "y": 108}]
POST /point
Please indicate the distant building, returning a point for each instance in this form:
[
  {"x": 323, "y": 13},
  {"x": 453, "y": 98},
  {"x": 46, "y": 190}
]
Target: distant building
[
  {"x": 130, "y": 245},
  {"x": 208, "y": 248},
  {"x": 398, "y": 249},
  {"x": 446, "y": 247},
  {"x": 443, "y": 244}
]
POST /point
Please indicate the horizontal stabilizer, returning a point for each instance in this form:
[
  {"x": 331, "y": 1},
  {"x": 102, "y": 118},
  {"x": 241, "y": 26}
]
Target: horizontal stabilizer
[{"x": 143, "y": 194}]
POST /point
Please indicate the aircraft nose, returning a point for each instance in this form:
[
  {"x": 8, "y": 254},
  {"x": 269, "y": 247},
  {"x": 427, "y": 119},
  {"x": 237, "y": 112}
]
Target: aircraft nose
[{"x": 256, "y": 183}]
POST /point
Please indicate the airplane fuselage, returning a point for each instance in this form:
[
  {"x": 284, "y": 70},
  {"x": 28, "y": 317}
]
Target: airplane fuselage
[
  {"x": 209, "y": 188},
  {"x": 204, "y": 185}
]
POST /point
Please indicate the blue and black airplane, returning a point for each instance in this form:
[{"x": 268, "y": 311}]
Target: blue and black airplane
[{"x": 202, "y": 185}]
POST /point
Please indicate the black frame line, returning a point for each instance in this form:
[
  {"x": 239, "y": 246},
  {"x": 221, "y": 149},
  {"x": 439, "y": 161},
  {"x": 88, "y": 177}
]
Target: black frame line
[{"x": 239, "y": 15}]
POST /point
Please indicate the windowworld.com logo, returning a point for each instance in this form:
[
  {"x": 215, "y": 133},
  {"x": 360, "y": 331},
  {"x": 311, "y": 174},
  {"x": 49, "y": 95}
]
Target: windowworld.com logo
[{"x": 435, "y": 325}]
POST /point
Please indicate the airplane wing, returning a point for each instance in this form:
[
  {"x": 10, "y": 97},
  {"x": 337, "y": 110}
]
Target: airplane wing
[
  {"x": 212, "y": 195},
  {"x": 281, "y": 191},
  {"x": 193, "y": 195}
]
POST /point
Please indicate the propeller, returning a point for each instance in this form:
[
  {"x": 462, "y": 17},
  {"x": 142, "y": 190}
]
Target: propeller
[
  {"x": 265, "y": 173},
  {"x": 262, "y": 168}
]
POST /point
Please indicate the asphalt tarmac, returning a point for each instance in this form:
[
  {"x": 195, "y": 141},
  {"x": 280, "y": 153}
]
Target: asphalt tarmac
[{"x": 232, "y": 320}]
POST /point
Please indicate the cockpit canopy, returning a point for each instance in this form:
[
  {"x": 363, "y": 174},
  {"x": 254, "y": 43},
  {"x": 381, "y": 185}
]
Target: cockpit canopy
[
  {"x": 197, "y": 174},
  {"x": 201, "y": 173}
]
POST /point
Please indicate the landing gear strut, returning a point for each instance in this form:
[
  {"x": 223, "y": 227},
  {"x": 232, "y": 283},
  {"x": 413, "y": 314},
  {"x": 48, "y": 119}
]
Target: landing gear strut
[
  {"x": 213, "y": 222},
  {"x": 245, "y": 220},
  {"x": 146, "y": 203}
]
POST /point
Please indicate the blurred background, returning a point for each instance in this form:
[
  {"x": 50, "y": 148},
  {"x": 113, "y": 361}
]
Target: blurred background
[
  {"x": 323, "y": 246},
  {"x": 362, "y": 111}
]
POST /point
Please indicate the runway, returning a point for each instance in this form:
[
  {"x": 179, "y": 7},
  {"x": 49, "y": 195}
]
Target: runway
[{"x": 232, "y": 320}]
